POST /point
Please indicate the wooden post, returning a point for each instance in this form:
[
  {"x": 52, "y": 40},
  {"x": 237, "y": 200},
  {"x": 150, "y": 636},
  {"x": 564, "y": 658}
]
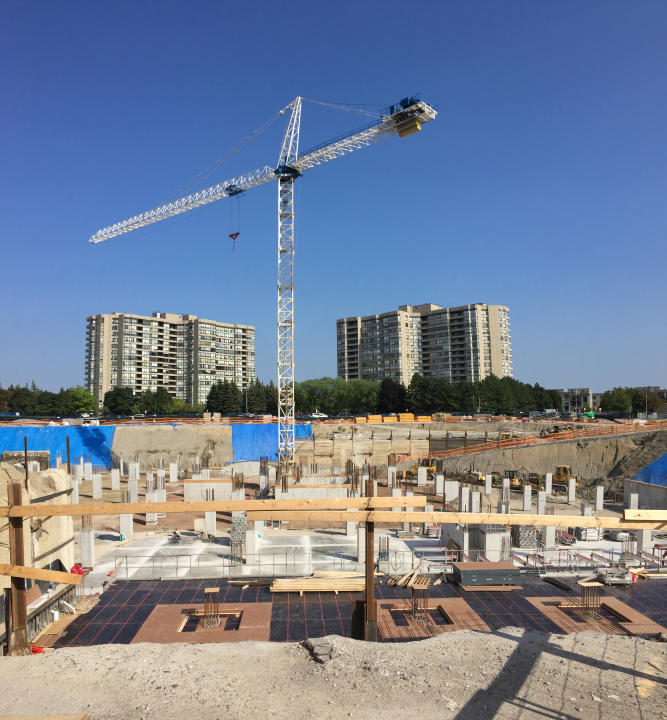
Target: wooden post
[
  {"x": 18, "y": 636},
  {"x": 370, "y": 628},
  {"x": 25, "y": 459},
  {"x": 69, "y": 463}
]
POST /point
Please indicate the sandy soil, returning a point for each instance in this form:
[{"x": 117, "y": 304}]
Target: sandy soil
[{"x": 465, "y": 675}]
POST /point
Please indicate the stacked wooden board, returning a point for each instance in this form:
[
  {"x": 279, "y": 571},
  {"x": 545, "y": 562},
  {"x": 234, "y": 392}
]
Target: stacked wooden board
[{"x": 321, "y": 582}]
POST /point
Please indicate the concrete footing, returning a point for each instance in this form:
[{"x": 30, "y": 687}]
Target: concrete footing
[{"x": 115, "y": 478}]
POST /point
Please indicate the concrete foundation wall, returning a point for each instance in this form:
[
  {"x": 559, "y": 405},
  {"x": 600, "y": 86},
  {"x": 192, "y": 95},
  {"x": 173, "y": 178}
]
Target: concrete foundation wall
[
  {"x": 651, "y": 496},
  {"x": 196, "y": 491}
]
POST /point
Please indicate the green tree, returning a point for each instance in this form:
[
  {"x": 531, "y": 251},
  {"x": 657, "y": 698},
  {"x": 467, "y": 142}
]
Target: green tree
[
  {"x": 214, "y": 400},
  {"x": 255, "y": 398},
  {"x": 271, "y": 396},
  {"x": 79, "y": 399},
  {"x": 163, "y": 401},
  {"x": 617, "y": 400},
  {"x": 392, "y": 396},
  {"x": 119, "y": 401}
]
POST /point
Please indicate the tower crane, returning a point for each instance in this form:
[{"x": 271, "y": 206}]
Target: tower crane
[{"x": 403, "y": 118}]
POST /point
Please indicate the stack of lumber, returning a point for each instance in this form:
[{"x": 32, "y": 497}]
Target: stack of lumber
[
  {"x": 644, "y": 574},
  {"x": 408, "y": 580},
  {"x": 321, "y": 582}
]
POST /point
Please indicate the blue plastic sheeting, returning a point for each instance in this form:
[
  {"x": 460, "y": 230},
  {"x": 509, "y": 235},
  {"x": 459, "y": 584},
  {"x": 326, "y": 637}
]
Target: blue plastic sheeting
[
  {"x": 93, "y": 442},
  {"x": 252, "y": 442},
  {"x": 655, "y": 473}
]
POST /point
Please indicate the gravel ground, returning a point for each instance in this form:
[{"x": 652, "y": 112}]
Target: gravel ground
[{"x": 508, "y": 674}]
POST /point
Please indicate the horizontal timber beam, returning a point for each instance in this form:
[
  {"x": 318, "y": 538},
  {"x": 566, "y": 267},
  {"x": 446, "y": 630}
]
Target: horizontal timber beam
[
  {"x": 647, "y": 515},
  {"x": 444, "y": 518},
  {"x": 38, "y": 574},
  {"x": 212, "y": 506}
]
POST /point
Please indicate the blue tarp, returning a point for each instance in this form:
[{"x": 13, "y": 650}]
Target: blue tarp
[
  {"x": 93, "y": 442},
  {"x": 252, "y": 442},
  {"x": 655, "y": 473}
]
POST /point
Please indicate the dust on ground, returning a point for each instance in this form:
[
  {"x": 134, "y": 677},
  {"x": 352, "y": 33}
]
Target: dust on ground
[{"x": 463, "y": 675}]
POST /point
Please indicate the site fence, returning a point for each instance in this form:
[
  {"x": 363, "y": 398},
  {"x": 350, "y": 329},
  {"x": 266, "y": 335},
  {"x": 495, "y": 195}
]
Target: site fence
[{"x": 537, "y": 440}]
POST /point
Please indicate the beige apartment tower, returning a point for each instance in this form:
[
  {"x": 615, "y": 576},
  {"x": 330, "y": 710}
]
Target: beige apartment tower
[
  {"x": 464, "y": 343},
  {"x": 182, "y": 353}
]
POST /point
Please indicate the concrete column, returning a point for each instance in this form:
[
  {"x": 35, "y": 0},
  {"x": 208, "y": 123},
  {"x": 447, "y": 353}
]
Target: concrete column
[
  {"x": 122, "y": 466},
  {"x": 350, "y": 527},
  {"x": 409, "y": 493},
  {"x": 150, "y": 480},
  {"x": 88, "y": 472},
  {"x": 97, "y": 486},
  {"x": 173, "y": 472},
  {"x": 586, "y": 510},
  {"x": 634, "y": 501},
  {"x": 115, "y": 479},
  {"x": 238, "y": 495},
  {"x": 391, "y": 475},
  {"x": 475, "y": 502},
  {"x": 77, "y": 474},
  {"x": 421, "y": 475},
  {"x": 506, "y": 489},
  {"x": 396, "y": 492},
  {"x": 161, "y": 476},
  {"x": 439, "y": 488},
  {"x": 74, "y": 497},
  {"x": 206, "y": 474},
  {"x": 572, "y": 490},
  {"x": 599, "y": 497},
  {"x": 88, "y": 547},
  {"x": 541, "y": 503},
  {"x": 548, "y": 481},
  {"x": 488, "y": 484},
  {"x": 549, "y": 536},
  {"x": 361, "y": 544},
  {"x": 272, "y": 475},
  {"x": 132, "y": 490},
  {"x": 464, "y": 498},
  {"x": 644, "y": 540},
  {"x": 210, "y": 521},
  {"x": 375, "y": 488},
  {"x": 527, "y": 498},
  {"x": 451, "y": 490},
  {"x": 126, "y": 526}
]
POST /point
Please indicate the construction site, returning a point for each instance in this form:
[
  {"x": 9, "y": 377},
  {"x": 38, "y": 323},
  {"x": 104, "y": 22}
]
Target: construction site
[
  {"x": 466, "y": 567},
  {"x": 150, "y": 535}
]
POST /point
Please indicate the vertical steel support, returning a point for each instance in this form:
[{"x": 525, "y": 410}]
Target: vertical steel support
[
  {"x": 286, "y": 178},
  {"x": 370, "y": 627}
]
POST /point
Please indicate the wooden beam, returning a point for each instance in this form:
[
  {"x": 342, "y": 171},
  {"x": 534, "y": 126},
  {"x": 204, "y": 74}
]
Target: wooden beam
[
  {"x": 440, "y": 518},
  {"x": 205, "y": 506},
  {"x": 18, "y": 634},
  {"x": 647, "y": 515},
  {"x": 21, "y": 571}
]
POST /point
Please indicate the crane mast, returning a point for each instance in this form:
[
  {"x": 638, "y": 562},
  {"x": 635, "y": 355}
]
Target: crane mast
[{"x": 404, "y": 118}]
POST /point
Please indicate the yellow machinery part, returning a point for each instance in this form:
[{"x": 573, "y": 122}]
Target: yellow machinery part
[{"x": 409, "y": 127}]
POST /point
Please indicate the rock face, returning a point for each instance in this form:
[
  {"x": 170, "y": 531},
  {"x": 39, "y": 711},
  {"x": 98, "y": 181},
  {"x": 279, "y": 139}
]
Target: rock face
[
  {"x": 591, "y": 458},
  {"x": 212, "y": 444}
]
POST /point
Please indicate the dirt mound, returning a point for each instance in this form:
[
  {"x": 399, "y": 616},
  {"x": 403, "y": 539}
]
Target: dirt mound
[
  {"x": 462, "y": 675},
  {"x": 648, "y": 448}
]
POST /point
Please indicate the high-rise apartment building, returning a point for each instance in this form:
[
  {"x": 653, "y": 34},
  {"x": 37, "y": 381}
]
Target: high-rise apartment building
[
  {"x": 182, "y": 353},
  {"x": 461, "y": 343}
]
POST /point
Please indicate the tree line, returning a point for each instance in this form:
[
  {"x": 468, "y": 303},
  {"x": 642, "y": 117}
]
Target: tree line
[
  {"x": 43, "y": 403},
  {"x": 333, "y": 396}
]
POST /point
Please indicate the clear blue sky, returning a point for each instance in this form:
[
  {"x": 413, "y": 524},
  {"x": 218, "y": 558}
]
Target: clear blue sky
[{"x": 540, "y": 186}]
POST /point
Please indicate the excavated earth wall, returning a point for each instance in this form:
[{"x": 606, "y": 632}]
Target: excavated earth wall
[{"x": 211, "y": 445}]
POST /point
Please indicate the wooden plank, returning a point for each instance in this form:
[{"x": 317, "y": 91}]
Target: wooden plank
[
  {"x": 440, "y": 518},
  {"x": 206, "y": 506},
  {"x": 20, "y": 571},
  {"x": 648, "y": 515}
]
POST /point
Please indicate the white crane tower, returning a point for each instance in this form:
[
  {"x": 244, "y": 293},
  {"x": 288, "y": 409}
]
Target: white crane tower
[{"x": 403, "y": 118}]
